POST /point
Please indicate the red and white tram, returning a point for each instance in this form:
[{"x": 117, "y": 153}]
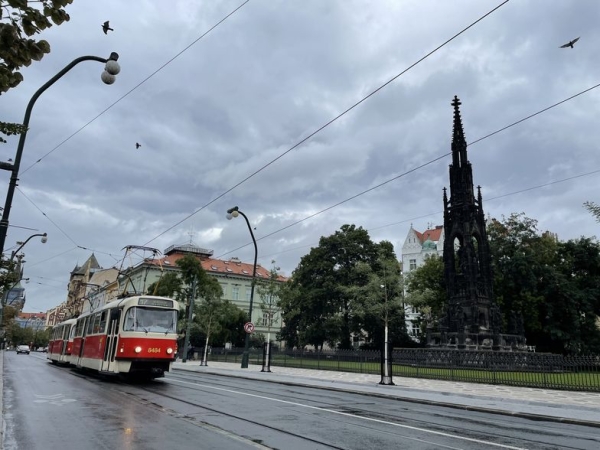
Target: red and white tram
[
  {"x": 134, "y": 336},
  {"x": 60, "y": 344}
]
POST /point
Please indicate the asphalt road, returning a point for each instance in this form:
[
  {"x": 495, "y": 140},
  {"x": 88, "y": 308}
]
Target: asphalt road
[{"x": 49, "y": 407}]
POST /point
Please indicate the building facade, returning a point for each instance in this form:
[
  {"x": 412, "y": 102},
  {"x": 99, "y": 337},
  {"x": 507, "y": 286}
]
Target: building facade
[
  {"x": 418, "y": 246},
  {"x": 234, "y": 276}
]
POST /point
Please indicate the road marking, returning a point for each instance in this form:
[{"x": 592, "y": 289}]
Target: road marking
[
  {"x": 54, "y": 399},
  {"x": 318, "y": 408}
]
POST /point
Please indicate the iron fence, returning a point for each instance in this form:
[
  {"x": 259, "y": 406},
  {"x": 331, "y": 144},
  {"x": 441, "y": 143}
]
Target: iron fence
[{"x": 538, "y": 370}]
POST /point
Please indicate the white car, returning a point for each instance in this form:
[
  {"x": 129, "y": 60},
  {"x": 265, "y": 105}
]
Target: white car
[{"x": 23, "y": 349}]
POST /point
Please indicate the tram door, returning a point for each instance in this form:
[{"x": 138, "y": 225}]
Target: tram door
[
  {"x": 112, "y": 338},
  {"x": 65, "y": 339},
  {"x": 82, "y": 346}
]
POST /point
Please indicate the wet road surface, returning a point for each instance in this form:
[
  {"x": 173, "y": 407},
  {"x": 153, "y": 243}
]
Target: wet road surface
[{"x": 203, "y": 411}]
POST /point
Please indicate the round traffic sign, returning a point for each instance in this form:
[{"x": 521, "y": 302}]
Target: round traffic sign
[{"x": 249, "y": 327}]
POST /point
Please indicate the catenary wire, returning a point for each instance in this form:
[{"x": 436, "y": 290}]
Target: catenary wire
[
  {"x": 136, "y": 86},
  {"x": 321, "y": 128},
  {"x": 520, "y": 191},
  {"x": 423, "y": 165},
  {"x": 278, "y": 157}
]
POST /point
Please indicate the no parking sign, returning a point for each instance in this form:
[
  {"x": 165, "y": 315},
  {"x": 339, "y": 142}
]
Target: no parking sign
[{"x": 249, "y": 327}]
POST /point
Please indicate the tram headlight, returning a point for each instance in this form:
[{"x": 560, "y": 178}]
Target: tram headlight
[
  {"x": 169, "y": 351},
  {"x": 138, "y": 349}
]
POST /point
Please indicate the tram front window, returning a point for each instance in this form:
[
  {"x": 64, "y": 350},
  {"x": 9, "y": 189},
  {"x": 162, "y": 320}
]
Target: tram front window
[{"x": 150, "y": 320}]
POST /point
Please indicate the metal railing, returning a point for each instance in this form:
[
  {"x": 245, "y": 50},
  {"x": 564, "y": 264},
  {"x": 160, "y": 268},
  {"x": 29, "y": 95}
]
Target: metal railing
[{"x": 538, "y": 370}]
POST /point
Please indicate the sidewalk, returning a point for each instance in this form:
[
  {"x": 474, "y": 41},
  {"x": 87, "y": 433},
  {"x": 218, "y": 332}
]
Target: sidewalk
[{"x": 582, "y": 408}]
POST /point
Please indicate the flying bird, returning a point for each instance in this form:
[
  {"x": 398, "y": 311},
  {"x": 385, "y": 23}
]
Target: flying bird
[
  {"x": 106, "y": 27},
  {"x": 569, "y": 44},
  {"x": 137, "y": 145}
]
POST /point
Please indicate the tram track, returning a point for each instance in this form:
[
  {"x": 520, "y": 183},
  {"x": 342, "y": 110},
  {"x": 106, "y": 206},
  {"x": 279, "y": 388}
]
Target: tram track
[
  {"x": 359, "y": 412},
  {"x": 326, "y": 402}
]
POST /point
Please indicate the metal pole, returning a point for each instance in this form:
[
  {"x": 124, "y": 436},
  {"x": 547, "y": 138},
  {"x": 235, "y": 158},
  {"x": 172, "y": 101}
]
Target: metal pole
[
  {"x": 386, "y": 376},
  {"x": 14, "y": 168},
  {"x": 246, "y": 354},
  {"x": 189, "y": 322}
]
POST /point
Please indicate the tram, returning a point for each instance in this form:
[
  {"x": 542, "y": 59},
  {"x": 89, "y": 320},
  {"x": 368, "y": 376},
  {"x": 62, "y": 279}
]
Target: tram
[
  {"x": 134, "y": 336},
  {"x": 61, "y": 342}
]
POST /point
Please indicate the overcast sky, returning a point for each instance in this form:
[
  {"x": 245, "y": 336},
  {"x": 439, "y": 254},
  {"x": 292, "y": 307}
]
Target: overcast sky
[{"x": 265, "y": 79}]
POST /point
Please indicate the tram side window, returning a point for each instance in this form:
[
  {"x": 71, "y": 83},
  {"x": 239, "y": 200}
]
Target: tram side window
[
  {"x": 103, "y": 321},
  {"x": 65, "y": 333},
  {"x": 79, "y": 328},
  {"x": 90, "y": 325}
]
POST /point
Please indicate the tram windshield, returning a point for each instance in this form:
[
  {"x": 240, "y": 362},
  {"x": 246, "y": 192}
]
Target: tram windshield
[{"x": 150, "y": 320}]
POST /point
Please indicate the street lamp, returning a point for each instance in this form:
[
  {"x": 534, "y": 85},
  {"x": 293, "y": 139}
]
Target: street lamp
[
  {"x": 386, "y": 373},
  {"x": 44, "y": 239},
  {"x": 111, "y": 69},
  {"x": 231, "y": 213}
]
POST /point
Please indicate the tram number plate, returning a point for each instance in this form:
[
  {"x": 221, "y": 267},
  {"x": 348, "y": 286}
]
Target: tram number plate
[{"x": 154, "y": 350}]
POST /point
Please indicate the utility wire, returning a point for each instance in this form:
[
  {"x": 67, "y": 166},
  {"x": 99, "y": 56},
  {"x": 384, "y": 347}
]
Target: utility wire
[
  {"x": 321, "y": 128},
  {"x": 531, "y": 188},
  {"x": 47, "y": 217},
  {"x": 137, "y": 86},
  {"x": 422, "y": 165}
]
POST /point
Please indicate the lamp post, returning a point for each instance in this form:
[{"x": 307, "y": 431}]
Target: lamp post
[
  {"x": 44, "y": 237},
  {"x": 386, "y": 373},
  {"x": 111, "y": 69},
  {"x": 231, "y": 213}
]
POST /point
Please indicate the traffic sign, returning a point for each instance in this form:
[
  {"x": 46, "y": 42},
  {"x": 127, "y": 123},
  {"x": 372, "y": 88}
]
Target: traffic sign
[{"x": 249, "y": 327}]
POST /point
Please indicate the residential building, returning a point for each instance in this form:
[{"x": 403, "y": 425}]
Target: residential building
[
  {"x": 415, "y": 251},
  {"x": 234, "y": 276}
]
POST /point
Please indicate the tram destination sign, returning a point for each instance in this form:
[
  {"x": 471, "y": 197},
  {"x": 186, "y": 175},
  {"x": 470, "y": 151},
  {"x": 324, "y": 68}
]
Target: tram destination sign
[{"x": 162, "y": 302}]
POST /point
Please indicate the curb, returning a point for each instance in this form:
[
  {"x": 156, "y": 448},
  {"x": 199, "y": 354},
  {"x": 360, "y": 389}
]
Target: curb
[{"x": 523, "y": 415}]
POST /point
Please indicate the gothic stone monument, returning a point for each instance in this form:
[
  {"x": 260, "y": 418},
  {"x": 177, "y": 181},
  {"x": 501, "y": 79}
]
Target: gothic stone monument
[{"x": 472, "y": 320}]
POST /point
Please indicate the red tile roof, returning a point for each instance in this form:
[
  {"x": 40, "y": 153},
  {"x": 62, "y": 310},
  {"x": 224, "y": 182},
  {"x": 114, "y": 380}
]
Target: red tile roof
[
  {"x": 233, "y": 266},
  {"x": 433, "y": 234}
]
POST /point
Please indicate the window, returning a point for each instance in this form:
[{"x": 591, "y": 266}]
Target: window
[
  {"x": 248, "y": 291},
  {"x": 150, "y": 320},
  {"x": 235, "y": 292},
  {"x": 413, "y": 264},
  {"x": 267, "y": 319}
]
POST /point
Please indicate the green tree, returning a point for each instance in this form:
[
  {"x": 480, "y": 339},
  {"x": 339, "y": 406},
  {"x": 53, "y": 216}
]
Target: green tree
[
  {"x": 594, "y": 209},
  {"x": 323, "y": 310},
  {"x": 210, "y": 310},
  {"x": 521, "y": 257},
  {"x": 378, "y": 304},
  {"x": 426, "y": 290},
  {"x": 269, "y": 291},
  {"x": 231, "y": 329},
  {"x": 169, "y": 285},
  {"x": 19, "y": 21}
]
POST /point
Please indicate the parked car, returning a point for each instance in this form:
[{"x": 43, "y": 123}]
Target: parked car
[{"x": 23, "y": 349}]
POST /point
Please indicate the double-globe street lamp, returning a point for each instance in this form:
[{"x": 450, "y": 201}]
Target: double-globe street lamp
[
  {"x": 111, "y": 69},
  {"x": 231, "y": 213}
]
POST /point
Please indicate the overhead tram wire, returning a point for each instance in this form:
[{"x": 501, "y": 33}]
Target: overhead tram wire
[
  {"x": 520, "y": 191},
  {"x": 47, "y": 217},
  {"x": 321, "y": 128},
  {"x": 426, "y": 164},
  {"x": 136, "y": 86},
  {"x": 63, "y": 231}
]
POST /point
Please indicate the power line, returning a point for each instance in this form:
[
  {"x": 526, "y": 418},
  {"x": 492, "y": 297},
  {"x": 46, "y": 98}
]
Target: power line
[
  {"x": 422, "y": 165},
  {"x": 321, "y": 128},
  {"x": 520, "y": 191},
  {"x": 136, "y": 86},
  {"x": 47, "y": 217}
]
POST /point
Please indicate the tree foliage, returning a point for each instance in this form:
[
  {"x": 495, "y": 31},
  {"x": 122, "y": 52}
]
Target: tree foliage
[
  {"x": 555, "y": 285},
  {"x": 319, "y": 303},
  {"x": 594, "y": 209},
  {"x": 20, "y": 20},
  {"x": 268, "y": 291}
]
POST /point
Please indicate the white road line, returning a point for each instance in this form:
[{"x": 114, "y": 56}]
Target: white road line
[{"x": 438, "y": 433}]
